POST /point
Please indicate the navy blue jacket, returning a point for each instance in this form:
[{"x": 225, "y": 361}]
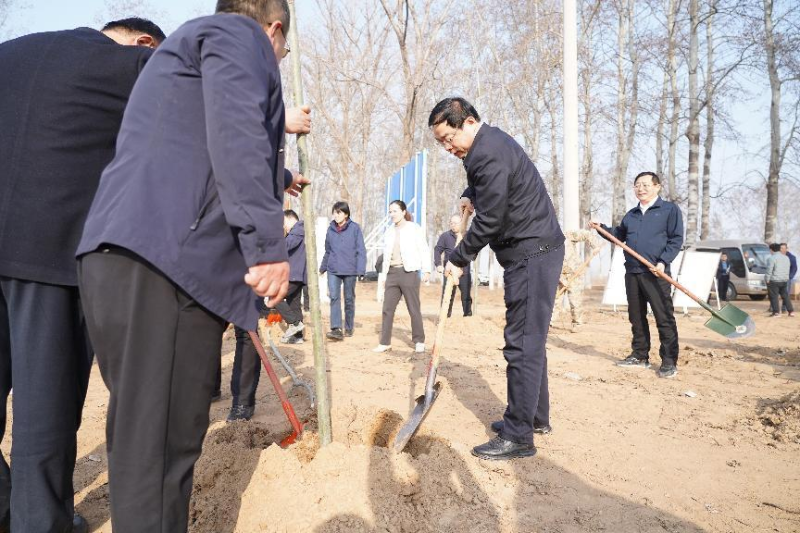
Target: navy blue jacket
[
  {"x": 345, "y": 253},
  {"x": 296, "y": 247},
  {"x": 657, "y": 235},
  {"x": 196, "y": 186},
  {"x": 513, "y": 212},
  {"x": 62, "y": 97},
  {"x": 792, "y": 265},
  {"x": 445, "y": 245}
]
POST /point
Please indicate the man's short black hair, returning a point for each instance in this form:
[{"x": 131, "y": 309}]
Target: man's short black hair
[
  {"x": 265, "y": 12},
  {"x": 653, "y": 175},
  {"x": 341, "y": 207},
  {"x": 453, "y": 111},
  {"x": 775, "y": 247},
  {"x": 289, "y": 213},
  {"x": 137, "y": 25}
]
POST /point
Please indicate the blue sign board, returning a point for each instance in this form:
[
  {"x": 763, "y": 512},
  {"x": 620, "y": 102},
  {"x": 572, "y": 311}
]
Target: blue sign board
[{"x": 408, "y": 185}]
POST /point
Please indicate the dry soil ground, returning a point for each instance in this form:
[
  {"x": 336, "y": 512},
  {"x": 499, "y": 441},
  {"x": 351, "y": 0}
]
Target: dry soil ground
[{"x": 716, "y": 449}]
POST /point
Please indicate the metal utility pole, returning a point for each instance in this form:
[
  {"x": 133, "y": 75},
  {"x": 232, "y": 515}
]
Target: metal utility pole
[
  {"x": 571, "y": 189},
  {"x": 320, "y": 357}
]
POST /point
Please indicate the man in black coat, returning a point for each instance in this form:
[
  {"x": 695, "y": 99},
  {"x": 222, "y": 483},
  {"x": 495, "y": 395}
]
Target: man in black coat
[
  {"x": 186, "y": 225},
  {"x": 515, "y": 216},
  {"x": 61, "y": 103}
]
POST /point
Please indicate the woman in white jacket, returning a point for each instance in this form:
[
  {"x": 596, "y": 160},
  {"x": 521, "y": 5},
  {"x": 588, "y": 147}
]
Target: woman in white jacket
[{"x": 405, "y": 254}]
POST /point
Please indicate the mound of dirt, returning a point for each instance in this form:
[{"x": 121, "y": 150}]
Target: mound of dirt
[{"x": 781, "y": 418}]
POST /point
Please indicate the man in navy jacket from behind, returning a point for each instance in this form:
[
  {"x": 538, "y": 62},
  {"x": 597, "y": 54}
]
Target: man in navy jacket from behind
[
  {"x": 187, "y": 224},
  {"x": 515, "y": 216},
  {"x": 654, "y": 229},
  {"x": 62, "y": 97}
]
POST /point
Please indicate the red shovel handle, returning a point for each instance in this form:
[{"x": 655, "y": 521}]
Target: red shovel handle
[{"x": 287, "y": 407}]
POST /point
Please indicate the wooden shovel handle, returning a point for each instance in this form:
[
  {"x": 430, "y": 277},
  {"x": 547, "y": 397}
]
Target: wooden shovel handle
[{"x": 649, "y": 265}]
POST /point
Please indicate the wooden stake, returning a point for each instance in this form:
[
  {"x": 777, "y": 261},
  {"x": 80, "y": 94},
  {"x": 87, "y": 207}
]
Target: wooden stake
[{"x": 320, "y": 357}]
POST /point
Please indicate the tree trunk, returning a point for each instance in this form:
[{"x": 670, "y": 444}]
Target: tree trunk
[
  {"x": 672, "y": 191},
  {"x": 709, "y": 141},
  {"x": 693, "y": 132},
  {"x": 618, "y": 199},
  {"x": 771, "y": 218}
]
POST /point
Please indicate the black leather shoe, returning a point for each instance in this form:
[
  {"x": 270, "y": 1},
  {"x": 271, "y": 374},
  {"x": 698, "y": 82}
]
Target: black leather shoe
[
  {"x": 241, "y": 412},
  {"x": 348, "y": 333},
  {"x": 79, "y": 524},
  {"x": 499, "y": 449},
  {"x": 497, "y": 427}
]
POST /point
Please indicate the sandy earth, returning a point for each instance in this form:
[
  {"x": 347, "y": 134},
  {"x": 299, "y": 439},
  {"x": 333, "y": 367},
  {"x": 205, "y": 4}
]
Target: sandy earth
[{"x": 716, "y": 449}]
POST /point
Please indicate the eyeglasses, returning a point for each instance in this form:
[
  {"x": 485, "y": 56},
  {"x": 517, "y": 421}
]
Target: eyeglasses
[
  {"x": 447, "y": 140},
  {"x": 286, "y": 48},
  {"x": 645, "y": 186}
]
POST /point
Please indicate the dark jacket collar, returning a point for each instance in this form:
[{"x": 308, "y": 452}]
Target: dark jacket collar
[{"x": 658, "y": 203}]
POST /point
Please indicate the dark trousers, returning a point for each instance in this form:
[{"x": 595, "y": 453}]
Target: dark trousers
[
  {"x": 335, "y": 285},
  {"x": 530, "y": 291},
  {"x": 464, "y": 286},
  {"x": 778, "y": 291},
  {"x": 158, "y": 352},
  {"x": 45, "y": 353},
  {"x": 291, "y": 308},
  {"x": 722, "y": 287},
  {"x": 646, "y": 288},
  {"x": 246, "y": 370},
  {"x": 406, "y": 284}
]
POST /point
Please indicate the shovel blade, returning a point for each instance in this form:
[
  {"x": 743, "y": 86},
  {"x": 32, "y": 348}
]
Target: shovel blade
[
  {"x": 421, "y": 410},
  {"x": 731, "y": 322}
]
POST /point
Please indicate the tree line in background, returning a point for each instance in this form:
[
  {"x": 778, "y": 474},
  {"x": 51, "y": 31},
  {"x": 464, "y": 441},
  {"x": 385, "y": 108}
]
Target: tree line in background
[
  {"x": 660, "y": 85},
  {"x": 660, "y": 82}
]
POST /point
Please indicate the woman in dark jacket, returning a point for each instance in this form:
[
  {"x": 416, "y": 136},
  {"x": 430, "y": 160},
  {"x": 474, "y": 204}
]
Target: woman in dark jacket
[{"x": 345, "y": 259}]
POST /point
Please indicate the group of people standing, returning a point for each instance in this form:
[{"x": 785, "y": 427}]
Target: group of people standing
[{"x": 139, "y": 236}]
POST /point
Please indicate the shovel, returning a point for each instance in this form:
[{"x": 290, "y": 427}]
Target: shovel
[
  {"x": 432, "y": 388},
  {"x": 297, "y": 428},
  {"x": 730, "y": 321}
]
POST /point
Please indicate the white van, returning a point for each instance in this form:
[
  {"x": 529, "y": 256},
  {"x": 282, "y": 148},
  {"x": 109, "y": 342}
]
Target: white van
[{"x": 748, "y": 259}]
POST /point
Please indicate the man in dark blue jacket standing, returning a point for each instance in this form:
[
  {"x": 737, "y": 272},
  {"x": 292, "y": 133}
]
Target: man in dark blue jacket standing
[
  {"x": 61, "y": 103},
  {"x": 515, "y": 216},
  {"x": 186, "y": 225},
  {"x": 654, "y": 229}
]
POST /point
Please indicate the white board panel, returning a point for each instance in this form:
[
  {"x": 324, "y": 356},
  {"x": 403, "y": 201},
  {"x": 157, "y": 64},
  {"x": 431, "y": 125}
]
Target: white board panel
[
  {"x": 614, "y": 293},
  {"x": 697, "y": 274}
]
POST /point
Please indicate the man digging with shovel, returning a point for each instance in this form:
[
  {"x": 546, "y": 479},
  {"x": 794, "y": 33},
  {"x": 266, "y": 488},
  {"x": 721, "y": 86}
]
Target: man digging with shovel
[{"x": 514, "y": 215}]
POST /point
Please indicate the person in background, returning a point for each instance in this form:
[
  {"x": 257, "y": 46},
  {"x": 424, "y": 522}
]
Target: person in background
[
  {"x": 723, "y": 277},
  {"x": 777, "y": 277},
  {"x": 405, "y": 255},
  {"x": 441, "y": 255},
  {"x": 62, "y": 100},
  {"x": 792, "y": 273},
  {"x": 345, "y": 259}
]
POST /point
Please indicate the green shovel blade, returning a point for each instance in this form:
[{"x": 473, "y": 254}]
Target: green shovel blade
[{"x": 731, "y": 322}]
